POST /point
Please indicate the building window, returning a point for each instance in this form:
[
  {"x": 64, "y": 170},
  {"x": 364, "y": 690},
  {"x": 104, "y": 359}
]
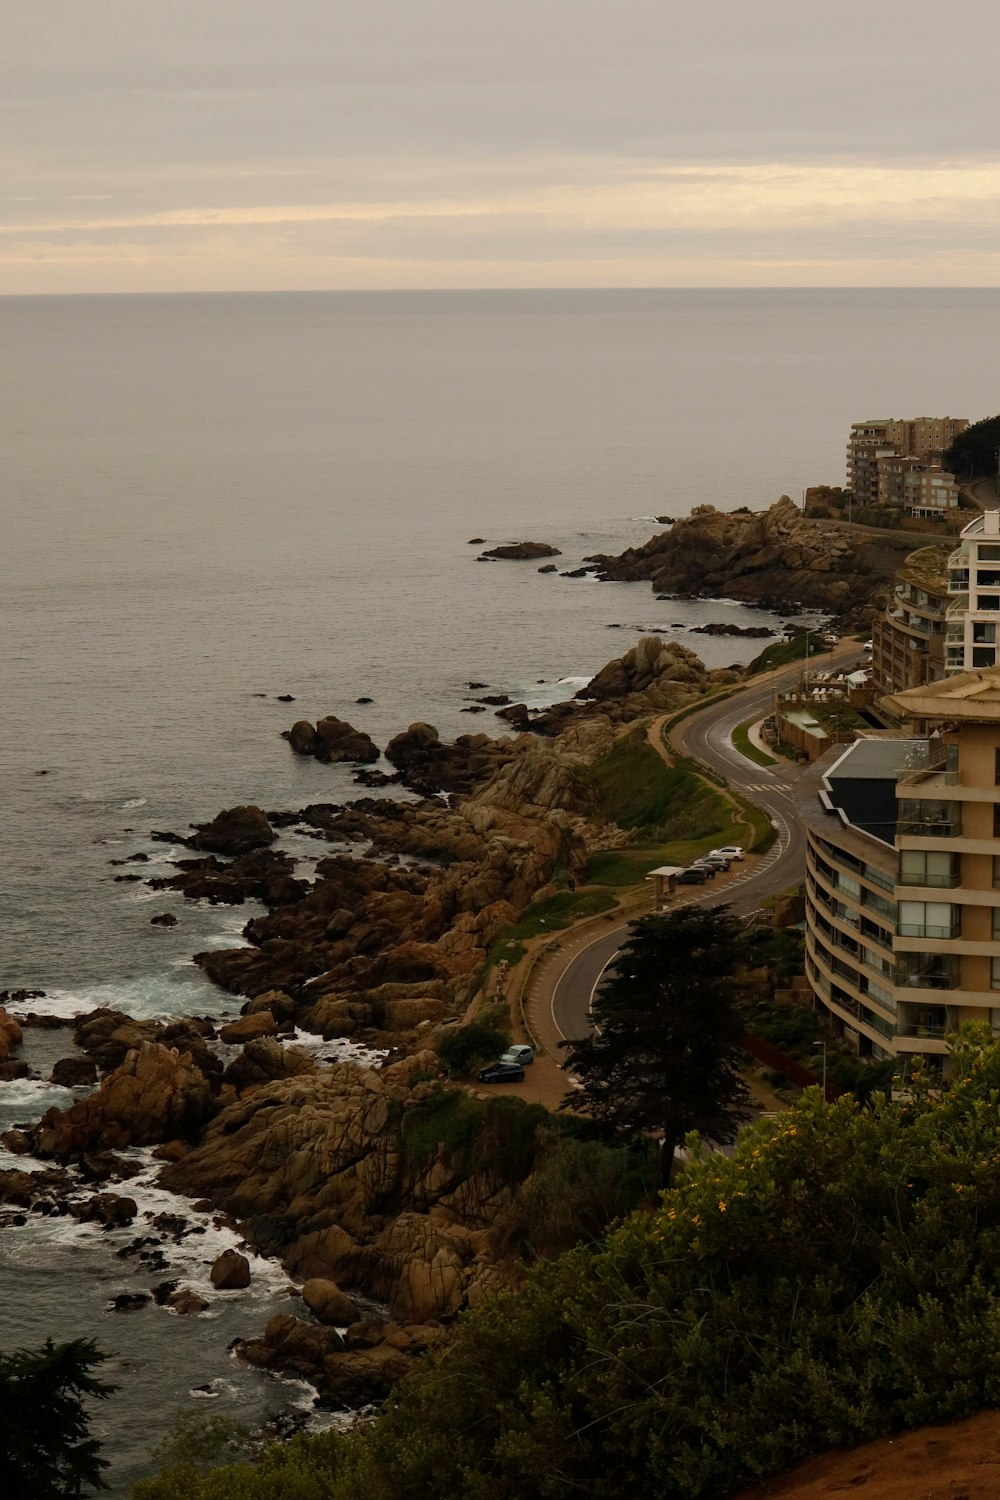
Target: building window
[
  {"x": 995, "y": 973},
  {"x": 984, "y": 656},
  {"x": 929, "y": 919},
  {"x": 927, "y": 867},
  {"x": 996, "y": 921},
  {"x": 985, "y": 634},
  {"x": 925, "y": 816}
]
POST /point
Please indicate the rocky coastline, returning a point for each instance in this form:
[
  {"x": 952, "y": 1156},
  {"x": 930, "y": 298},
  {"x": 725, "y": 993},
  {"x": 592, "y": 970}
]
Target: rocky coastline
[
  {"x": 335, "y": 1168},
  {"x": 779, "y": 559}
]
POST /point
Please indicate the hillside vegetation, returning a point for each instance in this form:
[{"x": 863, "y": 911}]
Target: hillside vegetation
[{"x": 834, "y": 1281}]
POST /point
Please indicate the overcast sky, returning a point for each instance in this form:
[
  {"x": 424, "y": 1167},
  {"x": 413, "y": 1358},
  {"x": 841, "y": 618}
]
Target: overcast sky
[{"x": 227, "y": 144}]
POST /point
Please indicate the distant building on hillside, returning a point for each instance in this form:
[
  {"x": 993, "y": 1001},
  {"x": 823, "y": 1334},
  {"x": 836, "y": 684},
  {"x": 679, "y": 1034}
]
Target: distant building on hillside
[
  {"x": 898, "y": 462},
  {"x": 908, "y": 639},
  {"x": 944, "y": 616}
]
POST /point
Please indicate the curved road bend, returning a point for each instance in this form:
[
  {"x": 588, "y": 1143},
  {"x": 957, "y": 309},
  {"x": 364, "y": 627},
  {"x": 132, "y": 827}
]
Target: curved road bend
[{"x": 706, "y": 737}]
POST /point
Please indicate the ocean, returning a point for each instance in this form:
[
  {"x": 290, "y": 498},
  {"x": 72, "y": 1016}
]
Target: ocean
[{"x": 211, "y": 501}]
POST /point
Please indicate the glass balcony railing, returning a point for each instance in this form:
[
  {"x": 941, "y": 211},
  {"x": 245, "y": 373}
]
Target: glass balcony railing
[
  {"x": 931, "y": 930},
  {"x": 932, "y": 1021},
  {"x": 927, "y": 971}
]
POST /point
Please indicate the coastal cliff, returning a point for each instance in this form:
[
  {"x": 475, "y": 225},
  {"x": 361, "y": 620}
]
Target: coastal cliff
[
  {"x": 778, "y": 558},
  {"x": 388, "y": 1181}
]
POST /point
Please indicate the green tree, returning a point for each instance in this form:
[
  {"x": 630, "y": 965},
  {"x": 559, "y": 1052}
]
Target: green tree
[
  {"x": 464, "y": 1048},
  {"x": 974, "y": 451},
  {"x": 45, "y": 1445},
  {"x": 665, "y": 1050}
]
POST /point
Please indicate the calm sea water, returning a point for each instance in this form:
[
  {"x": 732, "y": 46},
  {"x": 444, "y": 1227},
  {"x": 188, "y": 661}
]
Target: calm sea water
[{"x": 209, "y": 498}]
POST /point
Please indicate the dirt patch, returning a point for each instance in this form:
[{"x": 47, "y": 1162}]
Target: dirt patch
[{"x": 960, "y": 1461}]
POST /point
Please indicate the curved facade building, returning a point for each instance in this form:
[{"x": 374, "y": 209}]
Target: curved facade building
[
  {"x": 903, "y": 874},
  {"x": 908, "y": 640}
]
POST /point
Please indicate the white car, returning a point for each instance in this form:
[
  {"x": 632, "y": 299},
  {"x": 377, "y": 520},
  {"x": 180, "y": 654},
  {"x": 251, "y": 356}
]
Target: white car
[
  {"x": 728, "y": 851},
  {"x": 519, "y": 1054}
]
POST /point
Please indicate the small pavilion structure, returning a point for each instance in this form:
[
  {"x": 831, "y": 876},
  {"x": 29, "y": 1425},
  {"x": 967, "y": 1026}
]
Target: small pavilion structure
[{"x": 664, "y": 884}]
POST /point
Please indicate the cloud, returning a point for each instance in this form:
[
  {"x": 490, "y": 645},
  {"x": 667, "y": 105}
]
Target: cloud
[{"x": 512, "y": 135}]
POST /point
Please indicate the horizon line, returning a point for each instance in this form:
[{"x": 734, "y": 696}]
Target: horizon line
[{"x": 378, "y": 291}]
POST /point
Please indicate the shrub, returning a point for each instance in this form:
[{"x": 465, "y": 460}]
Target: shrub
[{"x": 465, "y": 1048}]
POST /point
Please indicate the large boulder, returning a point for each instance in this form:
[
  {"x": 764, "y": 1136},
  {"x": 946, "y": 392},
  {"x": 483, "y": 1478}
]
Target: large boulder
[
  {"x": 235, "y": 830},
  {"x": 339, "y": 741},
  {"x": 230, "y": 1271},
  {"x": 301, "y": 737},
  {"x": 349, "y": 1377},
  {"x": 110, "y": 1210},
  {"x": 155, "y": 1095},
  {"x": 328, "y": 1304},
  {"x": 248, "y": 1028},
  {"x": 332, "y": 739},
  {"x": 263, "y": 1060},
  {"x": 74, "y": 1072},
  {"x": 11, "y": 1035}
]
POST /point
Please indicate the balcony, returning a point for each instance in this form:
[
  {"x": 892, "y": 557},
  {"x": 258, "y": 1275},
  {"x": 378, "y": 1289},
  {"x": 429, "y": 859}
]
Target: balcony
[
  {"x": 937, "y": 820},
  {"x": 926, "y": 971},
  {"x": 933, "y": 776},
  {"x": 931, "y": 930},
  {"x": 933, "y": 1021}
]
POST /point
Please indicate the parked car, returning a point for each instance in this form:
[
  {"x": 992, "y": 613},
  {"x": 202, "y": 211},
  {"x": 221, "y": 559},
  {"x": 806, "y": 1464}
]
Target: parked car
[
  {"x": 695, "y": 876},
  {"x": 520, "y": 1053},
  {"x": 502, "y": 1072},
  {"x": 729, "y": 851},
  {"x": 714, "y": 861}
]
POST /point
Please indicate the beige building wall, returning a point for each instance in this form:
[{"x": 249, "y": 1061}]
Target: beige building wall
[{"x": 911, "y": 931}]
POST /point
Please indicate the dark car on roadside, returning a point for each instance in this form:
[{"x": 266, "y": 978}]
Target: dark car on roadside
[
  {"x": 694, "y": 877},
  {"x": 501, "y": 1072}
]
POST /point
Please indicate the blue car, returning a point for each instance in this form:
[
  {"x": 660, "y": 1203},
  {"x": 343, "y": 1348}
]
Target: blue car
[{"x": 501, "y": 1072}]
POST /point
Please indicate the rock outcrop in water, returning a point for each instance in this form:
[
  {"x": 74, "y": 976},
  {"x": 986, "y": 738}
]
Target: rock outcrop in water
[
  {"x": 778, "y": 558},
  {"x": 333, "y": 740},
  {"x": 156, "y": 1094},
  {"x": 653, "y": 677},
  {"x": 523, "y": 550},
  {"x": 236, "y": 830},
  {"x": 11, "y": 1035}
]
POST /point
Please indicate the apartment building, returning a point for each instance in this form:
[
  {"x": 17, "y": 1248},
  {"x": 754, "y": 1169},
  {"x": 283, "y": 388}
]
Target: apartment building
[
  {"x": 903, "y": 874},
  {"x": 908, "y": 640},
  {"x": 974, "y": 587},
  {"x": 897, "y": 462}
]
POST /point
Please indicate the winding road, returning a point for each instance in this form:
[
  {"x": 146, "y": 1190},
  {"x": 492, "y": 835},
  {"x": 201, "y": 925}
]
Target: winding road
[{"x": 706, "y": 737}]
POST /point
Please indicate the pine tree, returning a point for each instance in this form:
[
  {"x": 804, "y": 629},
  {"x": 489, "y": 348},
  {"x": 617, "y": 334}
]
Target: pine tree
[
  {"x": 665, "y": 1051},
  {"x": 46, "y": 1451}
]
